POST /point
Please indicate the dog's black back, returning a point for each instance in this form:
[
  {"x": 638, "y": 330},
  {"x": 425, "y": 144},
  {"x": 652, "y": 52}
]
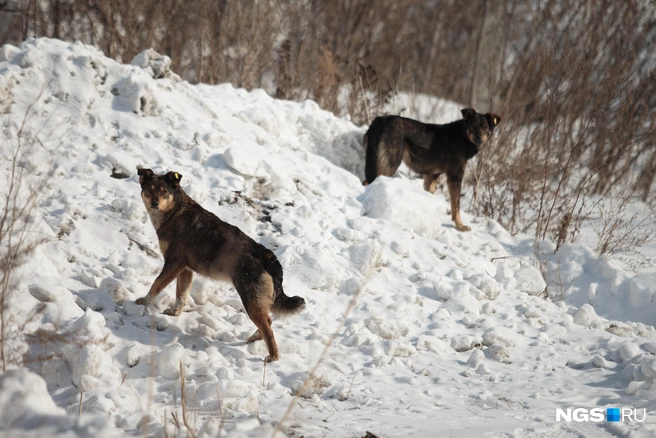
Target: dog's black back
[{"x": 428, "y": 149}]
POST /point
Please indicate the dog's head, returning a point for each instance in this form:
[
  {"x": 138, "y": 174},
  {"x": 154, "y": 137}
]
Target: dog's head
[
  {"x": 159, "y": 192},
  {"x": 479, "y": 127}
]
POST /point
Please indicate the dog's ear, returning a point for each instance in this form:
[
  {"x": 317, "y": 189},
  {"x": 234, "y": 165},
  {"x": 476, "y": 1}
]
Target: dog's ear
[
  {"x": 467, "y": 112},
  {"x": 493, "y": 119},
  {"x": 173, "y": 179},
  {"x": 145, "y": 175}
]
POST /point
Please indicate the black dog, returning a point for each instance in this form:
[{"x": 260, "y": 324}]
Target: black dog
[{"x": 428, "y": 149}]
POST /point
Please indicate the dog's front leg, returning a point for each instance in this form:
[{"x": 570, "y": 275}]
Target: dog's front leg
[
  {"x": 169, "y": 272},
  {"x": 181, "y": 292},
  {"x": 454, "y": 182}
]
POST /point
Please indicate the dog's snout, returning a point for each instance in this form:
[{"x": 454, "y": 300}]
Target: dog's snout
[{"x": 154, "y": 203}]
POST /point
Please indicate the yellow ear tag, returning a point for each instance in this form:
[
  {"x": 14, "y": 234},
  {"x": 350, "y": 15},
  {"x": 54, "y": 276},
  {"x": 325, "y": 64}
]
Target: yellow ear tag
[{"x": 178, "y": 176}]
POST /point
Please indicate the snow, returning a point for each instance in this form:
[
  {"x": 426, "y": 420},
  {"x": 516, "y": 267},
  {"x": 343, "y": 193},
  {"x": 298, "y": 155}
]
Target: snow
[
  {"x": 465, "y": 333},
  {"x": 28, "y": 409}
]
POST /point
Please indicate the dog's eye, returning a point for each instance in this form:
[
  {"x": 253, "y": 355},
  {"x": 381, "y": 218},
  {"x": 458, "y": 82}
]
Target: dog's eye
[
  {"x": 165, "y": 192},
  {"x": 150, "y": 189}
]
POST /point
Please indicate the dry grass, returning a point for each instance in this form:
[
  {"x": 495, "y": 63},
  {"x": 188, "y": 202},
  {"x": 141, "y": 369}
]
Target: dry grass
[
  {"x": 578, "y": 124},
  {"x": 20, "y": 193}
]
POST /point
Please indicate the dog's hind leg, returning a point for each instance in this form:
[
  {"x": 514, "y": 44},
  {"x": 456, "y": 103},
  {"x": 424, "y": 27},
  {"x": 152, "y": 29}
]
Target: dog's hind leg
[
  {"x": 255, "y": 287},
  {"x": 430, "y": 182},
  {"x": 170, "y": 271},
  {"x": 384, "y": 149},
  {"x": 454, "y": 182},
  {"x": 257, "y": 336},
  {"x": 371, "y": 163},
  {"x": 383, "y": 158},
  {"x": 181, "y": 292},
  {"x": 260, "y": 317}
]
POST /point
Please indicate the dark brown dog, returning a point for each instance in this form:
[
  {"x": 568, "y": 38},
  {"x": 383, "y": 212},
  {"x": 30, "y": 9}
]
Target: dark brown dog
[
  {"x": 427, "y": 149},
  {"x": 194, "y": 240}
]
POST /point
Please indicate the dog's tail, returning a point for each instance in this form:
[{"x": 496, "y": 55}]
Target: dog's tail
[{"x": 283, "y": 305}]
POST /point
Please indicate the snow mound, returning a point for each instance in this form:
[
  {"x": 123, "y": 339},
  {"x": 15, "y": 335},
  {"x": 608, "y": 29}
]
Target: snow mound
[
  {"x": 307, "y": 386},
  {"x": 393, "y": 199},
  {"x": 158, "y": 66},
  {"x": 171, "y": 359},
  {"x": 585, "y": 316},
  {"x": 136, "y": 93},
  {"x": 529, "y": 280},
  {"x": 245, "y": 159},
  {"x": 27, "y": 409}
]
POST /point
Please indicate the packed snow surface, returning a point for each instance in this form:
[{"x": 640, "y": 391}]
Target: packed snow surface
[{"x": 450, "y": 333}]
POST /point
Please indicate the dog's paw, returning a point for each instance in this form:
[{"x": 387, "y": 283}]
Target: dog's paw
[
  {"x": 143, "y": 301},
  {"x": 461, "y": 227},
  {"x": 269, "y": 359},
  {"x": 173, "y": 311}
]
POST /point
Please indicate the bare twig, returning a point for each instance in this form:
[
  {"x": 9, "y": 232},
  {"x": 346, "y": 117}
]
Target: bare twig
[{"x": 143, "y": 247}]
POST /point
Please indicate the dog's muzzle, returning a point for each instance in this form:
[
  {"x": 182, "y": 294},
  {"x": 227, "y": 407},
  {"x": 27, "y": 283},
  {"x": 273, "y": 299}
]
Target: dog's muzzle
[{"x": 154, "y": 204}]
